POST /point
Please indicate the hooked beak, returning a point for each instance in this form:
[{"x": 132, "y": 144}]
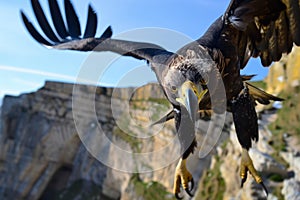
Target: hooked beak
[{"x": 190, "y": 96}]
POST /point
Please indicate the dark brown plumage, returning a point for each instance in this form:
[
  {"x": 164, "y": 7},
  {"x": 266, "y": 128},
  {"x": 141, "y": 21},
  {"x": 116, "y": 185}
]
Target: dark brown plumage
[{"x": 193, "y": 76}]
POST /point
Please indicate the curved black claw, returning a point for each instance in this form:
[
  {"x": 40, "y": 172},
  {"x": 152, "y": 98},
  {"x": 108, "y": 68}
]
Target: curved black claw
[
  {"x": 265, "y": 188},
  {"x": 177, "y": 196},
  {"x": 192, "y": 184},
  {"x": 243, "y": 180},
  {"x": 188, "y": 191}
]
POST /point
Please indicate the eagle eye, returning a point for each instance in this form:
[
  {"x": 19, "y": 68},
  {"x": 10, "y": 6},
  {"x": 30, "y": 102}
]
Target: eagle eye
[{"x": 174, "y": 88}]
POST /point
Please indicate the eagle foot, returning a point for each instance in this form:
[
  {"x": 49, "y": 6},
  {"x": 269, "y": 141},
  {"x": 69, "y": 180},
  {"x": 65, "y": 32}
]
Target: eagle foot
[
  {"x": 247, "y": 166},
  {"x": 182, "y": 179}
]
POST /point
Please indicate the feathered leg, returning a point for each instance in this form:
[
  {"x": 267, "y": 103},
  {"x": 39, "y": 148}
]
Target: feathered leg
[{"x": 245, "y": 121}]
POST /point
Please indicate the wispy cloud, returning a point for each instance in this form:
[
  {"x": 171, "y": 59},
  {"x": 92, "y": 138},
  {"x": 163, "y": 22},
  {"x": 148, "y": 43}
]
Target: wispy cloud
[
  {"x": 17, "y": 84},
  {"x": 37, "y": 72},
  {"x": 53, "y": 75}
]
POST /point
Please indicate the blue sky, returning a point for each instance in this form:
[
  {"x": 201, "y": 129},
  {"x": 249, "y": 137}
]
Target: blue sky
[{"x": 25, "y": 64}]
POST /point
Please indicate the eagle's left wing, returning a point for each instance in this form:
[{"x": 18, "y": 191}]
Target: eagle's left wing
[{"x": 256, "y": 28}]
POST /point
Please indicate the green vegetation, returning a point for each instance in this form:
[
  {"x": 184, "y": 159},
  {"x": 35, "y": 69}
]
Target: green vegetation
[
  {"x": 158, "y": 107},
  {"x": 275, "y": 178},
  {"x": 137, "y": 103},
  {"x": 289, "y": 116},
  {"x": 132, "y": 141},
  {"x": 212, "y": 185},
  {"x": 287, "y": 122},
  {"x": 164, "y": 102},
  {"x": 151, "y": 190},
  {"x": 155, "y": 108},
  {"x": 277, "y": 193},
  {"x": 160, "y": 111}
]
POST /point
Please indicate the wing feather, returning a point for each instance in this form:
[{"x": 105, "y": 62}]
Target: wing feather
[
  {"x": 71, "y": 39},
  {"x": 282, "y": 33},
  {"x": 57, "y": 19},
  {"x": 273, "y": 42},
  {"x": 293, "y": 12},
  {"x": 91, "y": 24},
  {"x": 42, "y": 20},
  {"x": 270, "y": 26},
  {"x": 33, "y": 32},
  {"x": 72, "y": 20}
]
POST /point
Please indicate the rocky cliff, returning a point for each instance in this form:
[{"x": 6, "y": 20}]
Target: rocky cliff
[
  {"x": 72, "y": 141},
  {"x": 68, "y": 141}
]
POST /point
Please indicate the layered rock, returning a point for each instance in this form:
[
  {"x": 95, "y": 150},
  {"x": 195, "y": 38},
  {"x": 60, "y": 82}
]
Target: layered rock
[{"x": 77, "y": 142}]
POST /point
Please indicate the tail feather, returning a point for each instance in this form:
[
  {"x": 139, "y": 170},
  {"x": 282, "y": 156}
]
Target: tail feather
[
  {"x": 248, "y": 77},
  {"x": 260, "y": 95}
]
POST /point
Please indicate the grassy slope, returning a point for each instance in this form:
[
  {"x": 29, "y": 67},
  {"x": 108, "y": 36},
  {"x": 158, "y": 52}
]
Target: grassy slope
[{"x": 288, "y": 120}]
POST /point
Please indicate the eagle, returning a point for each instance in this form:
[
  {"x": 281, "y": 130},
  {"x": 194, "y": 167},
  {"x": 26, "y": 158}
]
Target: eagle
[{"x": 204, "y": 75}]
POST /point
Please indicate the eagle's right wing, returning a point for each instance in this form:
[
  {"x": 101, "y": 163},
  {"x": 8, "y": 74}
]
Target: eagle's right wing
[{"x": 69, "y": 37}]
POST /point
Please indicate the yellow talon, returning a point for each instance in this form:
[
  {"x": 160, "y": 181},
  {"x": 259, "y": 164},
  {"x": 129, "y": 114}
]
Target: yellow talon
[
  {"x": 182, "y": 178},
  {"x": 247, "y": 165}
]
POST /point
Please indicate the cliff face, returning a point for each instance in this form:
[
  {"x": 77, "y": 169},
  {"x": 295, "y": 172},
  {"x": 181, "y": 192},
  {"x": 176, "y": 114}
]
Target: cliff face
[
  {"x": 50, "y": 146},
  {"x": 85, "y": 142},
  {"x": 285, "y": 73}
]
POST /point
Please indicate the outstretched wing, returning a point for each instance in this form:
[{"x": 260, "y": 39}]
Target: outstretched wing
[
  {"x": 68, "y": 35},
  {"x": 256, "y": 28}
]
